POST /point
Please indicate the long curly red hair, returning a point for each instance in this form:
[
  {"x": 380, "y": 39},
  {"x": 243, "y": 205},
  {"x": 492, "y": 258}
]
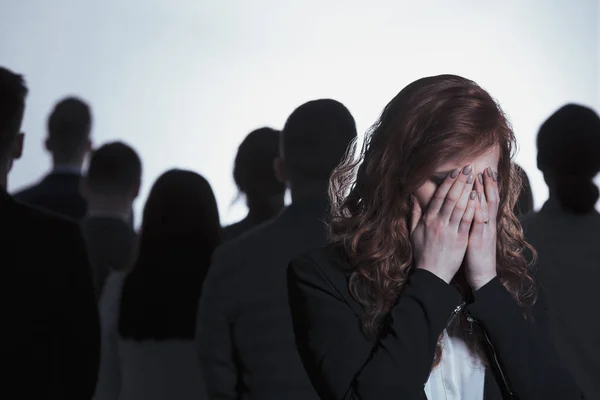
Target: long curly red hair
[{"x": 429, "y": 122}]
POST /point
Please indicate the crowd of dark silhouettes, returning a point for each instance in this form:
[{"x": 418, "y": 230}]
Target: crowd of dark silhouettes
[{"x": 187, "y": 309}]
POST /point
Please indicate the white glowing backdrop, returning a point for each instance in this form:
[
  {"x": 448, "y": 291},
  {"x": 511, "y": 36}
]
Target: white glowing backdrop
[{"x": 183, "y": 82}]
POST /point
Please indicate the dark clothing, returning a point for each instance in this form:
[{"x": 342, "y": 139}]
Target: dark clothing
[
  {"x": 110, "y": 243},
  {"x": 58, "y": 192},
  {"x": 344, "y": 363},
  {"x": 568, "y": 262},
  {"x": 50, "y": 340},
  {"x": 245, "y": 337},
  {"x": 252, "y": 220}
]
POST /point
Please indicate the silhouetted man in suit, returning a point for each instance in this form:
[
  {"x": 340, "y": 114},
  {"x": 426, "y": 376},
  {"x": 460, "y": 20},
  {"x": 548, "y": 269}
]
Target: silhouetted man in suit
[
  {"x": 50, "y": 336},
  {"x": 68, "y": 142},
  {"x": 245, "y": 337},
  {"x": 110, "y": 186}
]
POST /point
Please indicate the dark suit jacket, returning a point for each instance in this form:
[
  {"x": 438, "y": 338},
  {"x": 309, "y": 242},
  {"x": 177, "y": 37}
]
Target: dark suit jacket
[
  {"x": 344, "y": 363},
  {"x": 251, "y": 221},
  {"x": 110, "y": 243},
  {"x": 50, "y": 336},
  {"x": 245, "y": 337},
  {"x": 58, "y": 192}
]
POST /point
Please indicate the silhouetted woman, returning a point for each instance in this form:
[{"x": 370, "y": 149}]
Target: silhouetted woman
[
  {"x": 254, "y": 175},
  {"x": 148, "y": 330},
  {"x": 424, "y": 293},
  {"x": 566, "y": 235}
]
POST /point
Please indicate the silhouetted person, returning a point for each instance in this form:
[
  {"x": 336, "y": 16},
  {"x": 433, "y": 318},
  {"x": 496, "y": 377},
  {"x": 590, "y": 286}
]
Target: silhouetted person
[
  {"x": 149, "y": 320},
  {"x": 110, "y": 186},
  {"x": 566, "y": 235},
  {"x": 50, "y": 331},
  {"x": 68, "y": 142},
  {"x": 524, "y": 204},
  {"x": 255, "y": 178},
  {"x": 245, "y": 339}
]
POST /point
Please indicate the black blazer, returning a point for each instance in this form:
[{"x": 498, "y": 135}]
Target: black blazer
[
  {"x": 245, "y": 338},
  {"x": 343, "y": 363},
  {"x": 58, "y": 192},
  {"x": 50, "y": 336}
]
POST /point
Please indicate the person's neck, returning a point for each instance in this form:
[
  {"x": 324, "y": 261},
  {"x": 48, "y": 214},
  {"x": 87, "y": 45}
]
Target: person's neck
[
  {"x": 107, "y": 207},
  {"x": 265, "y": 209},
  {"x": 309, "y": 192},
  {"x": 73, "y": 167}
]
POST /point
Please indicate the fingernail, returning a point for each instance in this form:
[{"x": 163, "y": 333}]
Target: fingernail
[
  {"x": 495, "y": 176},
  {"x": 471, "y": 179},
  {"x": 480, "y": 178},
  {"x": 489, "y": 171},
  {"x": 454, "y": 173},
  {"x": 467, "y": 170},
  {"x": 480, "y": 196},
  {"x": 473, "y": 195}
]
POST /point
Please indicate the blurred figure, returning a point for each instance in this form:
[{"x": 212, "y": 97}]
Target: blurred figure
[
  {"x": 524, "y": 203},
  {"x": 245, "y": 338},
  {"x": 148, "y": 316},
  {"x": 68, "y": 142},
  {"x": 111, "y": 185},
  {"x": 566, "y": 235},
  {"x": 255, "y": 178},
  {"x": 50, "y": 337}
]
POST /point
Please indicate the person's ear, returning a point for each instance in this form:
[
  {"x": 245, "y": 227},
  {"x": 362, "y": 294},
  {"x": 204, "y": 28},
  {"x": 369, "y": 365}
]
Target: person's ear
[
  {"x": 136, "y": 191},
  {"x": 279, "y": 167},
  {"x": 84, "y": 187},
  {"x": 17, "y": 146},
  {"x": 48, "y": 144}
]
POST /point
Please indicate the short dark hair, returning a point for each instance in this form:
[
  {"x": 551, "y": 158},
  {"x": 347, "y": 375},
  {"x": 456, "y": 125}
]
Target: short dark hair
[
  {"x": 69, "y": 127},
  {"x": 253, "y": 171},
  {"x": 568, "y": 144},
  {"x": 115, "y": 168},
  {"x": 315, "y": 139},
  {"x": 12, "y": 106}
]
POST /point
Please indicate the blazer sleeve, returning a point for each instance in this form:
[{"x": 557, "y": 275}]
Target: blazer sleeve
[
  {"x": 342, "y": 362},
  {"x": 79, "y": 325},
  {"x": 522, "y": 346},
  {"x": 214, "y": 334}
]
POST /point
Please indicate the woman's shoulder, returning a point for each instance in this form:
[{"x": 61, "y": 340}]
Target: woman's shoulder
[{"x": 323, "y": 263}]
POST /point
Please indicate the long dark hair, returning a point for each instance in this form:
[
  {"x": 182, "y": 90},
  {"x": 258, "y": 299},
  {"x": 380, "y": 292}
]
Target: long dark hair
[
  {"x": 180, "y": 230},
  {"x": 429, "y": 122}
]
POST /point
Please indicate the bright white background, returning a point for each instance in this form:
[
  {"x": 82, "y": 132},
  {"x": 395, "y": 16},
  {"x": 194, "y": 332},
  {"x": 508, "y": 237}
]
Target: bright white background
[{"x": 184, "y": 81}]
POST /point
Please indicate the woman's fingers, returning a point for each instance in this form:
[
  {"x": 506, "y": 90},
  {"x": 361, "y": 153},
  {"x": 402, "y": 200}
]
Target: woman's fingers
[
  {"x": 417, "y": 213},
  {"x": 456, "y": 215},
  {"x": 464, "y": 182},
  {"x": 492, "y": 193},
  {"x": 467, "y": 218},
  {"x": 481, "y": 217},
  {"x": 440, "y": 194}
]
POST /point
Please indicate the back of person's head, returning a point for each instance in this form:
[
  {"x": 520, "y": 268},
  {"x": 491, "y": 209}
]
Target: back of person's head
[
  {"x": 12, "y": 108},
  {"x": 69, "y": 127},
  {"x": 253, "y": 171},
  {"x": 115, "y": 169},
  {"x": 180, "y": 230},
  {"x": 524, "y": 203},
  {"x": 568, "y": 146},
  {"x": 314, "y": 141}
]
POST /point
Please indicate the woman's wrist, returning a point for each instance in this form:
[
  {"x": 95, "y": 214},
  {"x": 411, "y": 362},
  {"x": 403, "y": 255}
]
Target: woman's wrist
[
  {"x": 478, "y": 282},
  {"x": 443, "y": 275}
]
